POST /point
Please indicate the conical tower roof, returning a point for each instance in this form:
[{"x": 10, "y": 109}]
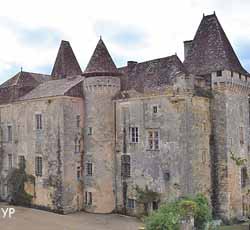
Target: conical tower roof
[
  {"x": 101, "y": 62},
  {"x": 211, "y": 50},
  {"x": 66, "y": 63}
]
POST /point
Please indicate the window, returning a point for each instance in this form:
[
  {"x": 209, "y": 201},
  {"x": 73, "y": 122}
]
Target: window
[
  {"x": 155, "y": 109},
  {"x": 125, "y": 166},
  {"x": 77, "y": 145},
  {"x": 9, "y": 133},
  {"x": 134, "y": 134},
  {"x": 244, "y": 177},
  {"x": 204, "y": 157},
  {"x": 78, "y": 173},
  {"x": 241, "y": 136},
  {"x": 10, "y": 160},
  {"x": 88, "y": 198},
  {"x": 219, "y": 73},
  {"x": 39, "y": 166},
  {"x": 39, "y": 121},
  {"x": 153, "y": 140},
  {"x": 166, "y": 175},
  {"x": 131, "y": 203},
  {"x": 241, "y": 111},
  {"x": 89, "y": 169},
  {"x": 155, "y": 205},
  {"x": 78, "y": 120},
  {"x": 21, "y": 162},
  {"x": 90, "y": 131}
]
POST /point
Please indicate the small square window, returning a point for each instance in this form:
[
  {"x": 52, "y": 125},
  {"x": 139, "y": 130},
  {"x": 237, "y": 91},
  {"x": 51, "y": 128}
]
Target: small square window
[
  {"x": 155, "y": 109},
  {"x": 219, "y": 73},
  {"x": 90, "y": 131},
  {"x": 78, "y": 173},
  {"x": 131, "y": 203}
]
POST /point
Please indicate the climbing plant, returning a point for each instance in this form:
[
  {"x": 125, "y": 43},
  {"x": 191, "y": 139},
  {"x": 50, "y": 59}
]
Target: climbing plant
[
  {"x": 238, "y": 160},
  {"x": 16, "y": 180},
  {"x": 146, "y": 196}
]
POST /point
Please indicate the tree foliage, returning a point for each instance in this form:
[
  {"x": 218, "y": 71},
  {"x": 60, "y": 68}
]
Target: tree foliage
[{"x": 169, "y": 215}]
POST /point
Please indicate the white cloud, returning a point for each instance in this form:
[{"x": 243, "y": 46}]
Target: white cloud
[{"x": 165, "y": 24}]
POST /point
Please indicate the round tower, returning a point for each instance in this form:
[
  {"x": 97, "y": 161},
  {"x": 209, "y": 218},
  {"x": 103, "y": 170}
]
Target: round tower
[{"x": 101, "y": 84}]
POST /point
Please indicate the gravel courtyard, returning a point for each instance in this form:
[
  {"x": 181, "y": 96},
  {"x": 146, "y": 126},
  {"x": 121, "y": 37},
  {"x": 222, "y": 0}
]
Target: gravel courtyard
[{"x": 32, "y": 219}]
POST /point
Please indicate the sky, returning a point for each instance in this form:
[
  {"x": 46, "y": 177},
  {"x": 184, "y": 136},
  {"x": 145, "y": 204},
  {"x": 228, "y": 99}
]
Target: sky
[{"x": 133, "y": 30}]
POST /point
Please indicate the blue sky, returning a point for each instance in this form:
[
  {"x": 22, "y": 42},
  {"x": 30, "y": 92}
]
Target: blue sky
[{"x": 31, "y": 31}]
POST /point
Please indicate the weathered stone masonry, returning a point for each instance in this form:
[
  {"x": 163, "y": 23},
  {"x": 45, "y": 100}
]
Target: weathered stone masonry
[{"x": 92, "y": 138}]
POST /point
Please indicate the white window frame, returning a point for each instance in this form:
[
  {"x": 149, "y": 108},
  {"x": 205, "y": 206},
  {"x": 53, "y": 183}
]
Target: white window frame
[
  {"x": 131, "y": 203},
  {"x": 134, "y": 134},
  {"x": 151, "y": 140},
  {"x": 39, "y": 121}
]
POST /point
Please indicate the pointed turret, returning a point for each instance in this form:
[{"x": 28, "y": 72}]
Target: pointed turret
[
  {"x": 211, "y": 50},
  {"x": 101, "y": 63},
  {"x": 66, "y": 63}
]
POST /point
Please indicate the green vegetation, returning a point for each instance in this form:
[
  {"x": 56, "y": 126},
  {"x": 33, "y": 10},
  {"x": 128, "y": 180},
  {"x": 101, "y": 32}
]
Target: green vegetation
[
  {"x": 169, "y": 215},
  {"x": 146, "y": 196},
  {"x": 16, "y": 181}
]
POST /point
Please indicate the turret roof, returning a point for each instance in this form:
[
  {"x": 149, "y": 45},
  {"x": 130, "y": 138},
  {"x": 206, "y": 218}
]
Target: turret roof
[
  {"x": 211, "y": 50},
  {"x": 66, "y": 63},
  {"x": 101, "y": 62}
]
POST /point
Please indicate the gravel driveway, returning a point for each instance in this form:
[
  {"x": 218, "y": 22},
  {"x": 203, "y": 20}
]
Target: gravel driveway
[{"x": 32, "y": 219}]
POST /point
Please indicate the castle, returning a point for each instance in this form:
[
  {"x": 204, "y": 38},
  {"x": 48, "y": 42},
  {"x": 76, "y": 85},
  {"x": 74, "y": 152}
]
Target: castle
[{"x": 91, "y": 138}]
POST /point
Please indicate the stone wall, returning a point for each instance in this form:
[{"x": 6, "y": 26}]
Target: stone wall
[
  {"x": 49, "y": 143},
  {"x": 99, "y": 142},
  {"x": 182, "y": 164}
]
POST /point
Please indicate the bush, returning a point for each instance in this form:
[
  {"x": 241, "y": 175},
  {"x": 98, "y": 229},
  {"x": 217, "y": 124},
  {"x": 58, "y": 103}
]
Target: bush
[
  {"x": 17, "y": 194},
  {"x": 169, "y": 215}
]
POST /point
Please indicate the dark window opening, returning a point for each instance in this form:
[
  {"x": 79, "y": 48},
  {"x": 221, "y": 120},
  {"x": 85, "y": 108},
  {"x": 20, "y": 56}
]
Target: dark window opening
[
  {"x": 244, "y": 177},
  {"x": 90, "y": 131},
  {"x": 89, "y": 169},
  {"x": 9, "y": 133},
  {"x": 134, "y": 134},
  {"x": 125, "y": 166},
  {"x": 155, "y": 205},
  {"x": 219, "y": 73},
  {"x": 155, "y": 109},
  {"x": 21, "y": 162},
  {"x": 39, "y": 166},
  {"x": 78, "y": 120}
]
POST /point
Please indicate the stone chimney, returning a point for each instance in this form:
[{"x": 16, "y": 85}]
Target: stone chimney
[
  {"x": 131, "y": 64},
  {"x": 187, "y": 45}
]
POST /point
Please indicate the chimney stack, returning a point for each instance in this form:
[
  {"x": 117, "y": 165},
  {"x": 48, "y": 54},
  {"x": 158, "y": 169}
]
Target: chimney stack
[{"x": 187, "y": 46}]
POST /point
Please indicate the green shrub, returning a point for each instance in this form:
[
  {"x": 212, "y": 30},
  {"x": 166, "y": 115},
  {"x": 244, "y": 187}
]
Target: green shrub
[
  {"x": 16, "y": 180},
  {"x": 169, "y": 216}
]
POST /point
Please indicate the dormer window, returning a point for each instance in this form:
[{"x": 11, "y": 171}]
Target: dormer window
[{"x": 219, "y": 73}]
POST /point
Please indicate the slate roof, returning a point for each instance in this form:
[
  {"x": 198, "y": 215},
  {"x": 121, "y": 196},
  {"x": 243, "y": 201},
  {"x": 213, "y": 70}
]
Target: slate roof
[
  {"x": 151, "y": 74},
  {"x": 101, "y": 62},
  {"x": 25, "y": 79},
  {"x": 211, "y": 50},
  {"x": 66, "y": 63},
  {"x": 53, "y": 88}
]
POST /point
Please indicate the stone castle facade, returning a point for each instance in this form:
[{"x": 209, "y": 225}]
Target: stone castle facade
[{"x": 90, "y": 138}]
